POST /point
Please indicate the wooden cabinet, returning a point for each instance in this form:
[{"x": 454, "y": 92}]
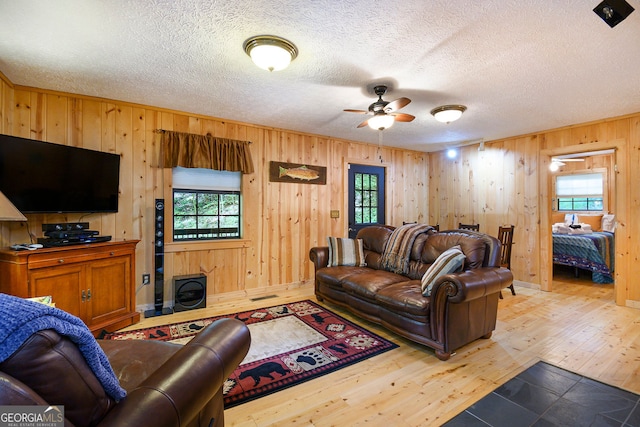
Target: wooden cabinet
[{"x": 94, "y": 282}]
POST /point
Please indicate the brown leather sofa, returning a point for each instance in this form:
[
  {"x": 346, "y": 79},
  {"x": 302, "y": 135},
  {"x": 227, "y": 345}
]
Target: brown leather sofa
[
  {"x": 461, "y": 308},
  {"x": 167, "y": 384}
]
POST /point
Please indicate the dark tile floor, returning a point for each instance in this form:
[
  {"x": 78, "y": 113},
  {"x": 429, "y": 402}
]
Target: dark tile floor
[{"x": 545, "y": 395}]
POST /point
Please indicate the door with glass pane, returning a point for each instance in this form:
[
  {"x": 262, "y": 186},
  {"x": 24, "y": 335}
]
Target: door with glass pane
[{"x": 366, "y": 197}]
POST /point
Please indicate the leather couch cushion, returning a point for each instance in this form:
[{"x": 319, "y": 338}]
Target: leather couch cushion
[
  {"x": 135, "y": 360},
  {"x": 369, "y": 283},
  {"x": 374, "y": 237},
  {"x": 53, "y": 367},
  {"x": 418, "y": 246},
  {"x": 473, "y": 248},
  {"x": 333, "y": 276},
  {"x": 15, "y": 392},
  {"x": 373, "y": 259},
  {"x": 404, "y": 297}
]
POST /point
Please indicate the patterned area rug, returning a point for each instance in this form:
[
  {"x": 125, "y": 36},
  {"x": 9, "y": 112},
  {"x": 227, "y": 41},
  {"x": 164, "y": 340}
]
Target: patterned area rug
[{"x": 290, "y": 344}]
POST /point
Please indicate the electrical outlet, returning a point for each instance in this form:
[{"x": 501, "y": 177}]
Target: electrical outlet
[{"x": 146, "y": 278}]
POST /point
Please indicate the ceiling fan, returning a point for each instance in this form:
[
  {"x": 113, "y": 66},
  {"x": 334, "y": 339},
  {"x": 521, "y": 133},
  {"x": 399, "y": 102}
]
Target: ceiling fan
[{"x": 384, "y": 112}]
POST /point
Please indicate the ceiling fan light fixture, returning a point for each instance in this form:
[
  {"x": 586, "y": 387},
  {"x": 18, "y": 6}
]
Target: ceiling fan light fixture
[
  {"x": 448, "y": 113},
  {"x": 381, "y": 121},
  {"x": 271, "y": 53}
]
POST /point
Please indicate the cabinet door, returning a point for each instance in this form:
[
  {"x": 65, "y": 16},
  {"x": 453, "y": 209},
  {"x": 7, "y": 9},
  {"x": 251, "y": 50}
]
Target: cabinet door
[
  {"x": 63, "y": 283},
  {"x": 109, "y": 284}
]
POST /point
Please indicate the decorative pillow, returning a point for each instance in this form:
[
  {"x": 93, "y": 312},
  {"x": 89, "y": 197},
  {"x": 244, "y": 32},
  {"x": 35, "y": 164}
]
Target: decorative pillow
[
  {"x": 449, "y": 261},
  {"x": 609, "y": 223},
  {"x": 346, "y": 252},
  {"x": 595, "y": 221},
  {"x": 570, "y": 219}
]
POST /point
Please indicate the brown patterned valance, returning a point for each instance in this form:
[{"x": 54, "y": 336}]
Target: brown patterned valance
[{"x": 204, "y": 151}]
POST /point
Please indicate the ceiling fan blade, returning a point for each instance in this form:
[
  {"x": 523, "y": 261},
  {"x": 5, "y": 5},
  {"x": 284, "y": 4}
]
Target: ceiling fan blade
[
  {"x": 560, "y": 160},
  {"x": 397, "y": 104},
  {"x": 402, "y": 117},
  {"x": 357, "y": 111},
  {"x": 363, "y": 124}
]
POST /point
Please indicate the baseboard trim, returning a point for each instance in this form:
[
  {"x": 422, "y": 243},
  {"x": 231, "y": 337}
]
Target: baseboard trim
[{"x": 257, "y": 293}]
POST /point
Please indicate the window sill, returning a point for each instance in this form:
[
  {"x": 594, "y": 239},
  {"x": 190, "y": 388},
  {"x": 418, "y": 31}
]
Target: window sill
[{"x": 209, "y": 245}]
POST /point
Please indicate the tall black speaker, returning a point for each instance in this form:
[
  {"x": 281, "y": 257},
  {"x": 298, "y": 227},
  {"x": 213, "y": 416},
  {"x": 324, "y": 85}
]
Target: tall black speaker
[{"x": 158, "y": 263}]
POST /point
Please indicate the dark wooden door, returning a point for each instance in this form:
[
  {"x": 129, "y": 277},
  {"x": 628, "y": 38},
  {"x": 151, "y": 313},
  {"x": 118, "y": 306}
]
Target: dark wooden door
[{"x": 366, "y": 197}]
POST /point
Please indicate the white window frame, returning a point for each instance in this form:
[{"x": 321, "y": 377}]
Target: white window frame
[
  {"x": 586, "y": 193},
  {"x": 197, "y": 181}
]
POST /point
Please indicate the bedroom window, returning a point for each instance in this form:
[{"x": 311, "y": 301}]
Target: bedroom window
[
  {"x": 206, "y": 204},
  {"x": 580, "y": 192}
]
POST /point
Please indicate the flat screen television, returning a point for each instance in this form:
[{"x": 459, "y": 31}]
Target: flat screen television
[{"x": 42, "y": 177}]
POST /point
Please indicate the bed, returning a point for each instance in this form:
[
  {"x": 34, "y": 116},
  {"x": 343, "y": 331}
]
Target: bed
[{"x": 593, "y": 252}]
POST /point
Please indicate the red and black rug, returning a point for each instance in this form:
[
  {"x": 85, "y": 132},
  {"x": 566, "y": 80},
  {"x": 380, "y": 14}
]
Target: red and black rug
[{"x": 290, "y": 344}]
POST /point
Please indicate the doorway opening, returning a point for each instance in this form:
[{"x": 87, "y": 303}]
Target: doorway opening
[{"x": 566, "y": 262}]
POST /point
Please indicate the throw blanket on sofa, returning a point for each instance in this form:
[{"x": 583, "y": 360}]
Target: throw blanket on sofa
[
  {"x": 397, "y": 250},
  {"x": 20, "y": 318}
]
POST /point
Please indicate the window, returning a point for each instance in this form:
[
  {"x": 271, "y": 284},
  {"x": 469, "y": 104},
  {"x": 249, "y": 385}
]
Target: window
[
  {"x": 366, "y": 198},
  {"x": 206, "y": 204},
  {"x": 580, "y": 192}
]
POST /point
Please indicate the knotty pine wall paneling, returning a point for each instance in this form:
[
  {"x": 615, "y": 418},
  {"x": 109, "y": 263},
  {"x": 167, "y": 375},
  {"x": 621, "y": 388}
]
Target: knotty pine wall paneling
[
  {"x": 499, "y": 185},
  {"x": 281, "y": 221},
  {"x": 633, "y": 242},
  {"x": 502, "y": 185}
]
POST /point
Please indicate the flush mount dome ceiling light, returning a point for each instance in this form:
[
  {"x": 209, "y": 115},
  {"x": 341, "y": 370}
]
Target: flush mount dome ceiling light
[
  {"x": 448, "y": 113},
  {"x": 270, "y": 52}
]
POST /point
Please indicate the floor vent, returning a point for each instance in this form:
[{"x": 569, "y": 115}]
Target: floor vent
[{"x": 264, "y": 297}]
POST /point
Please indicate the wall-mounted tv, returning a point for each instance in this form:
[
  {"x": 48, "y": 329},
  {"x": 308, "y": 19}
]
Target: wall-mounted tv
[{"x": 42, "y": 177}]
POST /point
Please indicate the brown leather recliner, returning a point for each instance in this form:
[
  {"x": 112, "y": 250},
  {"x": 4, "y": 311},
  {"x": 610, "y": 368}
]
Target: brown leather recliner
[{"x": 167, "y": 384}]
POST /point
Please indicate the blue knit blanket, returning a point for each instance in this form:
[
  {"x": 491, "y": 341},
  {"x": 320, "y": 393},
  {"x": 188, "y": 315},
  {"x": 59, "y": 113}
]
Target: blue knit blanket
[{"x": 20, "y": 318}]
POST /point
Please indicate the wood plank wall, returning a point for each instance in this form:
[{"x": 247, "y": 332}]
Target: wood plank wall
[
  {"x": 507, "y": 183},
  {"x": 282, "y": 221}
]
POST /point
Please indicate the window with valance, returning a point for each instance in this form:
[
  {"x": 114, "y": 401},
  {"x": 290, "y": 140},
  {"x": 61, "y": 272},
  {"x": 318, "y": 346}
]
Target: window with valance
[
  {"x": 205, "y": 151},
  {"x": 206, "y": 184}
]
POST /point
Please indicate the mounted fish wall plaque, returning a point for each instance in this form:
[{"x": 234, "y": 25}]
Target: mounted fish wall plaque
[{"x": 298, "y": 173}]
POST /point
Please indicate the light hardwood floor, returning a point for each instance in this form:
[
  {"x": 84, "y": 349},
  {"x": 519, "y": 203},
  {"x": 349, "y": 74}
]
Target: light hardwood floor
[{"x": 577, "y": 327}]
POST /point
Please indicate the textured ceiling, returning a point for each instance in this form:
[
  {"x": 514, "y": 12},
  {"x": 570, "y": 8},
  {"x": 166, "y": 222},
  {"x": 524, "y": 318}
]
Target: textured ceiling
[{"x": 518, "y": 65}]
